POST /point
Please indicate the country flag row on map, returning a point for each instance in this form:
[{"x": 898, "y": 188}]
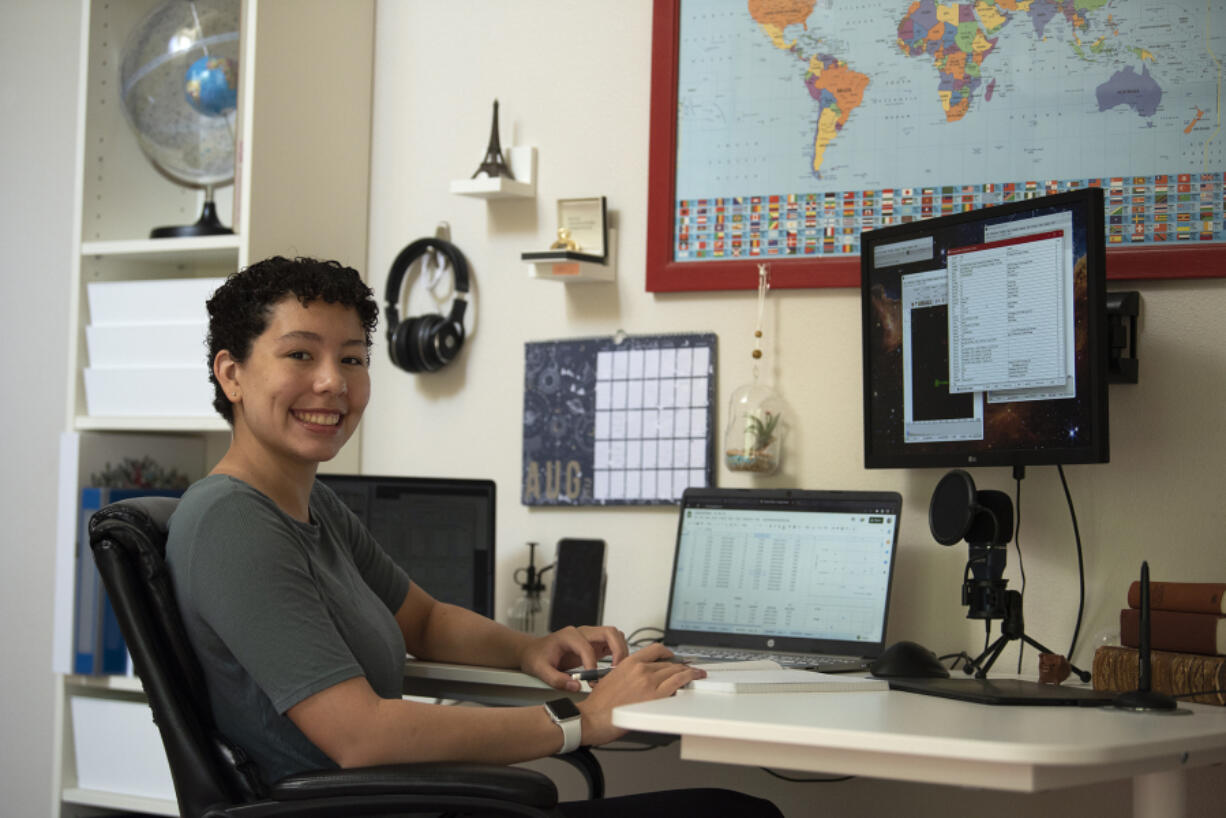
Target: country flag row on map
[{"x": 1139, "y": 209}]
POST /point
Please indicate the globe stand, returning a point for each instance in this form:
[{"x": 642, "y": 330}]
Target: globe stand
[{"x": 207, "y": 225}]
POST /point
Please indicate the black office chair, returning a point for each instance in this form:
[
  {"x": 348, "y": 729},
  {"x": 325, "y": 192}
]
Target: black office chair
[{"x": 212, "y": 776}]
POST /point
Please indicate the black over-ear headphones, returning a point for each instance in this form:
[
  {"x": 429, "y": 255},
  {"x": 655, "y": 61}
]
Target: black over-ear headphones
[{"x": 428, "y": 342}]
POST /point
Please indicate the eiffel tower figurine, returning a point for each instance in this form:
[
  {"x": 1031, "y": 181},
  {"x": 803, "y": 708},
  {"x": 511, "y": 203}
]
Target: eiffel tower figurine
[{"x": 493, "y": 165}]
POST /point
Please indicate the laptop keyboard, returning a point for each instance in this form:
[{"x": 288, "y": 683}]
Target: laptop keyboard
[{"x": 800, "y": 660}]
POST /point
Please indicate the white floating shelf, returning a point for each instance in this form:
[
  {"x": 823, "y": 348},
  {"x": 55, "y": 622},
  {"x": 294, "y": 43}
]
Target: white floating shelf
[
  {"x": 569, "y": 269},
  {"x": 522, "y": 161}
]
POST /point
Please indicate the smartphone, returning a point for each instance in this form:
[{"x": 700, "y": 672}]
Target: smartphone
[{"x": 578, "y": 584}]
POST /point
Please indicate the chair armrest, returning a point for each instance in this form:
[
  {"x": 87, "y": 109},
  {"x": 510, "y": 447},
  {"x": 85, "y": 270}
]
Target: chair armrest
[{"x": 423, "y": 781}]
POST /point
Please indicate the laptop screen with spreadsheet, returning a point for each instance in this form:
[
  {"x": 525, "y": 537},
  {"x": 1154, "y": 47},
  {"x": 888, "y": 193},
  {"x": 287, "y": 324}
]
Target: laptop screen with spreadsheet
[{"x": 784, "y": 570}]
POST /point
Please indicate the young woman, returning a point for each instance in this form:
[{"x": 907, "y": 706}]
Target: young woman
[{"x": 300, "y": 620}]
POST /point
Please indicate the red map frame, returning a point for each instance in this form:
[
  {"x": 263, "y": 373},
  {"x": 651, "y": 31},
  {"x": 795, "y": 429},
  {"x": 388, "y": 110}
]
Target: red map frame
[{"x": 665, "y": 274}]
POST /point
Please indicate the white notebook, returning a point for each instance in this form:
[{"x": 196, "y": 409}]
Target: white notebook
[{"x": 770, "y": 677}]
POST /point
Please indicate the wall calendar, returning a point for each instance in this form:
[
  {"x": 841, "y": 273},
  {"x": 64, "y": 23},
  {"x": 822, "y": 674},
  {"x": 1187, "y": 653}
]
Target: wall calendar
[{"x": 623, "y": 420}]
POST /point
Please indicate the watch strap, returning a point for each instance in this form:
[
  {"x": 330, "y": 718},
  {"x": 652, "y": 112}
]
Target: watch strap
[{"x": 572, "y": 729}]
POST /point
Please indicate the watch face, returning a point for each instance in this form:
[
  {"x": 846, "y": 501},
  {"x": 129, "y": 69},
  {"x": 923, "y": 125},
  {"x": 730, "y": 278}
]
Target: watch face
[{"x": 563, "y": 709}]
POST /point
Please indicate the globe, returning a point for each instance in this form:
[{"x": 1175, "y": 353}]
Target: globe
[
  {"x": 178, "y": 82},
  {"x": 210, "y": 85}
]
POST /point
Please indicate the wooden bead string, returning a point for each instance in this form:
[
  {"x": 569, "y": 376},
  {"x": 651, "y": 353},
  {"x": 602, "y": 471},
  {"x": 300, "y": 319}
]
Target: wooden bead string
[{"x": 764, "y": 285}]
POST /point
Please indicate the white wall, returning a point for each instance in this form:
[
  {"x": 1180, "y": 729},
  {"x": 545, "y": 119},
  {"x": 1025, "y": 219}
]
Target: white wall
[
  {"x": 39, "y": 40},
  {"x": 573, "y": 79}
]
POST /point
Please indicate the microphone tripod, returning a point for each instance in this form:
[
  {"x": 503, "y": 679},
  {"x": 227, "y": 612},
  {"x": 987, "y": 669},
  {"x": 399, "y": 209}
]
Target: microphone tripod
[
  {"x": 984, "y": 592},
  {"x": 984, "y": 519}
]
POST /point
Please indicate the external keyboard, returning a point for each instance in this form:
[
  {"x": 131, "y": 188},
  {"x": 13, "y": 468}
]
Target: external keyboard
[{"x": 801, "y": 660}]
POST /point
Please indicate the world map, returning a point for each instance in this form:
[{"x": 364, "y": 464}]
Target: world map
[{"x": 801, "y": 123}]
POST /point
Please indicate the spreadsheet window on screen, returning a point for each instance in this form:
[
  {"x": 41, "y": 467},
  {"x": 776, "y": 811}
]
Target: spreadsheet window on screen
[
  {"x": 815, "y": 575},
  {"x": 984, "y": 336}
]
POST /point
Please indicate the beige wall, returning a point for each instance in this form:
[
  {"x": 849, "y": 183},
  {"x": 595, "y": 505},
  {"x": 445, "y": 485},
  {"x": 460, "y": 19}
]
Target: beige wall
[
  {"x": 576, "y": 85},
  {"x": 573, "y": 79}
]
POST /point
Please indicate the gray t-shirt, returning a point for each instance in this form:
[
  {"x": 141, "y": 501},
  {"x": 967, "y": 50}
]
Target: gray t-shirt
[{"x": 278, "y": 610}]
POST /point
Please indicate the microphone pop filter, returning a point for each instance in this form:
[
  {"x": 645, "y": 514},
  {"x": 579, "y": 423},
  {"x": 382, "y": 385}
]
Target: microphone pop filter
[{"x": 952, "y": 509}]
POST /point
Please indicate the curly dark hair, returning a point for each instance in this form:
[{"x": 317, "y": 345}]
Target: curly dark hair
[{"x": 240, "y": 308}]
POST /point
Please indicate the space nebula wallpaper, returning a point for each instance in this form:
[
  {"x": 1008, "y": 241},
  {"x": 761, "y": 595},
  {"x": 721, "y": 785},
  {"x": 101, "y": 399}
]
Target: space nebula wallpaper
[{"x": 1059, "y": 430}]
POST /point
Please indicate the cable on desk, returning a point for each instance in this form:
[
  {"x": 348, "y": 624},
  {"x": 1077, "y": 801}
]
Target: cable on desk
[
  {"x": 960, "y": 656},
  {"x": 632, "y": 642},
  {"x": 797, "y": 780}
]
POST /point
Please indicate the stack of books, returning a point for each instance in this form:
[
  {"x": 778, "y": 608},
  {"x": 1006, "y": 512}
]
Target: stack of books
[{"x": 1187, "y": 637}]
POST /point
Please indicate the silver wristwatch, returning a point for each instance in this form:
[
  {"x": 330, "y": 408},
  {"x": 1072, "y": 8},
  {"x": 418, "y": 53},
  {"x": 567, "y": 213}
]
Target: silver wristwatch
[{"x": 566, "y": 715}]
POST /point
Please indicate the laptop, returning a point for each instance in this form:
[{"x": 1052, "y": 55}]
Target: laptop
[{"x": 800, "y": 577}]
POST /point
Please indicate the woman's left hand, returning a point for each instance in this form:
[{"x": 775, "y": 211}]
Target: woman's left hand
[{"x": 547, "y": 657}]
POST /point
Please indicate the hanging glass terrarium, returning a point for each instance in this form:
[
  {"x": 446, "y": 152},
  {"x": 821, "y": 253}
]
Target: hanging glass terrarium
[
  {"x": 753, "y": 438},
  {"x": 753, "y": 441}
]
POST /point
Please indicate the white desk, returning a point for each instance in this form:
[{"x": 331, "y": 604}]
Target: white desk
[
  {"x": 901, "y": 736},
  {"x": 910, "y": 737}
]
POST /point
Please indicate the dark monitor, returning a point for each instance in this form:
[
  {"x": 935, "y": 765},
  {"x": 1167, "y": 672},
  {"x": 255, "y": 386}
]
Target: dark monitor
[
  {"x": 440, "y": 530},
  {"x": 984, "y": 336}
]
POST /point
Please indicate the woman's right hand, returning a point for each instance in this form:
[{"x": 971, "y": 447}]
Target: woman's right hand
[{"x": 644, "y": 675}]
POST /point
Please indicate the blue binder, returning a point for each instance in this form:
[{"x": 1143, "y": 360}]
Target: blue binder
[{"x": 98, "y": 646}]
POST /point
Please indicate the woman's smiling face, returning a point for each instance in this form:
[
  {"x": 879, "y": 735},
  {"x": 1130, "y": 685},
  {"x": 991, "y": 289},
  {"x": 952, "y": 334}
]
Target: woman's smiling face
[{"x": 301, "y": 392}]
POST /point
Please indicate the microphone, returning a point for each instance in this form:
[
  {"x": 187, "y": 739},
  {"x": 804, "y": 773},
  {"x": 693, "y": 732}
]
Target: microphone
[{"x": 1144, "y": 698}]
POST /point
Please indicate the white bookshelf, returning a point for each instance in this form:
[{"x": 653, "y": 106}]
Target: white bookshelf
[
  {"x": 219, "y": 250},
  {"x": 301, "y": 189},
  {"x": 101, "y": 799}
]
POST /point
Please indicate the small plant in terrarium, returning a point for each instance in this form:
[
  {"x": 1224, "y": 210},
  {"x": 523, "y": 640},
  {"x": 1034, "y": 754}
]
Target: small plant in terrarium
[
  {"x": 762, "y": 429},
  {"x": 753, "y": 439}
]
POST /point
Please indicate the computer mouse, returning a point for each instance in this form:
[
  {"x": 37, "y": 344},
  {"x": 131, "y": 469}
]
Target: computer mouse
[{"x": 908, "y": 660}]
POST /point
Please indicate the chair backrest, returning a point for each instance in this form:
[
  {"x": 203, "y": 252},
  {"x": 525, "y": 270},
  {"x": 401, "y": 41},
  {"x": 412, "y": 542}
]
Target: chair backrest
[{"x": 128, "y": 539}]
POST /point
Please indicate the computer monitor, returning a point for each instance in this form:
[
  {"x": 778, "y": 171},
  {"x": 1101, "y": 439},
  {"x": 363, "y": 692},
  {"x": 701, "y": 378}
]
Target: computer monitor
[
  {"x": 984, "y": 336},
  {"x": 440, "y": 530}
]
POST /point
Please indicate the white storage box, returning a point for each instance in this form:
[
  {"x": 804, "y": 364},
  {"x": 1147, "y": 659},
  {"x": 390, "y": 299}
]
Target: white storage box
[
  {"x": 118, "y": 748},
  {"x": 157, "y": 301},
  {"x": 124, "y": 345},
  {"x": 149, "y": 391}
]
